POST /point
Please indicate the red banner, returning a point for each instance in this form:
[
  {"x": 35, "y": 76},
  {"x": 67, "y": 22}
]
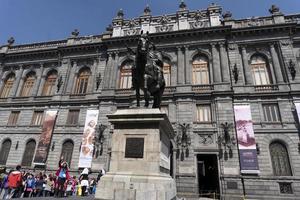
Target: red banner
[{"x": 45, "y": 139}]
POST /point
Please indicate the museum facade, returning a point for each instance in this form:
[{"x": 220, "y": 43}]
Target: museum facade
[{"x": 232, "y": 95}]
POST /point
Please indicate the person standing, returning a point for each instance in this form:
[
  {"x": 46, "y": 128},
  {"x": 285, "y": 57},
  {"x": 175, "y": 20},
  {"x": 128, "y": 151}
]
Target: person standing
[
  {"x": 15, "y": 182},
  {"x": 62, "y": 176},
  {"x": 84, "y": 181},
  {"x": 29, "y": 185},
  {"x": 5, "y": 186}
]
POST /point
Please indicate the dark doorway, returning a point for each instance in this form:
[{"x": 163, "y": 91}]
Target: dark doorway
[{"x": 208, "y": 175}]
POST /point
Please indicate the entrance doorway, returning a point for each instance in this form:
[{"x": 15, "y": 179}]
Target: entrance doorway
[{"x": 208, "y": 175}]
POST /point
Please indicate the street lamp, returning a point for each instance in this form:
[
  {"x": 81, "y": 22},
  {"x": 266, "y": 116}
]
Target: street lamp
[{"x": 226, "y": 140}]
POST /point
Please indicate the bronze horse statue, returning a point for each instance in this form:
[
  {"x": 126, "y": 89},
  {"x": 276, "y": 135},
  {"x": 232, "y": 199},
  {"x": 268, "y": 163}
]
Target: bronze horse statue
[{"x": 147, "y": 72}]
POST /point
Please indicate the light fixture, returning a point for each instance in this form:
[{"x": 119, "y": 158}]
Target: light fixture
[{"x": 53, "y": 146}]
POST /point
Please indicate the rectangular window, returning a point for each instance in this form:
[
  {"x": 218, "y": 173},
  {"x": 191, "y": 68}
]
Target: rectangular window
[
  {"x": 271, "y": 113},
  {"x": 13, "y": 118},
  {"x": 203, "y": 113},
  {"x": 37, "y": 118},
  {"x": 73, "y": 117}
]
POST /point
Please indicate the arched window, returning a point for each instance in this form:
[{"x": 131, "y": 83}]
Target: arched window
[
  {"x": 28, "y": 153},
  {"x": 8, "y": 84},
  {"x": 280, "y": 160},
  {"x": 49, "y": 85},
  {"x": 67, "y": 151},
  {"x": 200, "y": 71},
  {"x": 82, "y": 81},
  {"x": 260, "y": 71},
  {"x": 125, "y": 75},
  {"x": 167, "y": 71},
  {"x": 5, "y": 148},
  {"x": 28, "y": 85}
]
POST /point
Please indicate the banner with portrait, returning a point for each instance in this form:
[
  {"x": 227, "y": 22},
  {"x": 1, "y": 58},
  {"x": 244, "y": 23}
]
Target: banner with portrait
[
  {"x": 45, "y": 138},
  {"x": 87, "y": 144},
  {"x": 246, "y": 139},
  {"x": 297, "y": 105}
]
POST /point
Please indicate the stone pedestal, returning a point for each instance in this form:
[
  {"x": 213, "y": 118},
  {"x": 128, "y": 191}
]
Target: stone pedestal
[{"x": 140, "y": 157}]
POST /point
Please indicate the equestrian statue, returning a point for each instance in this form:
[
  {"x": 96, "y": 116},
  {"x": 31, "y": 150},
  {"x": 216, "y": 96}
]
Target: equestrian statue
[{"x": 147, "y": 71}]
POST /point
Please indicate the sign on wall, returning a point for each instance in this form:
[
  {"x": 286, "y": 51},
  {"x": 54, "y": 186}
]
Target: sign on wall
[
  {"x": 87, "y": 145},
  {"x": 45, "y": 138},
  {"x": 246, "y": 139}
]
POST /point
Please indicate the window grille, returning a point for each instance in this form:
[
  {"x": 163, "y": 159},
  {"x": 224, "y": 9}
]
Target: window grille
[
  {"x": 28, "y": 153},
  {"x": 260, "y": 71},
  {"x": 203, "y": 113},
  {"x": 37, "y": 118},
  {"x": 200, "y": 71},
  {"x": 73, "y": 117},
  {"x": 125, "y": 76},
  {"x": 67, "y": 151},
  {"x": 280, "y": 160},
  {"x": 28, "y": 85},
  {"x": 7, "y": 86},
  {"x": 49, "y": 85},
  {"x": 13, "y": 118},
  {"x": 82, "y": 82},
  {"x": 271, "y": 113},
  {"x": 5, "y": 148}
]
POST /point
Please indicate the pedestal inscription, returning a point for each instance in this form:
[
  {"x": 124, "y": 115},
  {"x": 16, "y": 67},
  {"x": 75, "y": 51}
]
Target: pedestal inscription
[
  {"x": 134, "y": 148},
  {"x": 140, "y": 160}
]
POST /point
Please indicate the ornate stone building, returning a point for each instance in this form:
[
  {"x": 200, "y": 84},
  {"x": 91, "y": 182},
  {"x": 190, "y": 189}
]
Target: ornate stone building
[{"x": 212, "y": 62}]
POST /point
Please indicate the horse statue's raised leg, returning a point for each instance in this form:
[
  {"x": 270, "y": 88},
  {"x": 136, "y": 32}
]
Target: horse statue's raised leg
[
  {"x": 146, "y": 97},
  {"x": 137, "y": 95}
]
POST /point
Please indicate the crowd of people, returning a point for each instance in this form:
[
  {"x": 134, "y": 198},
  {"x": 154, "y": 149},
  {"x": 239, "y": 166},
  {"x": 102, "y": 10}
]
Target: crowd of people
[{"x": 24, "y": 184}]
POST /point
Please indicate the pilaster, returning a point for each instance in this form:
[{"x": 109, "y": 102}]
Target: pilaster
[
  {"x": 188, "y": 67},
  {"x": 216, "y": 64},
  {"x": 39, "y": 79},
  {"x": 180, "y": 66},
  {"x": 18, "y": 83},
  {"x": 247, "y": 71},
  {"x": 276, "y": 64},
  {"x": 224, "y": 63}
]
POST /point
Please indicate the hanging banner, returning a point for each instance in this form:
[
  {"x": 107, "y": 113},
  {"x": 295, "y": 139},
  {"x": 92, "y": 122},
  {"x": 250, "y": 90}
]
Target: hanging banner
[
  {"x": 297, "y": 105},
  {"x": 246, "y": 139},
  {"x": 87, "y": 145},
  {"x": 45, "y": 139}
]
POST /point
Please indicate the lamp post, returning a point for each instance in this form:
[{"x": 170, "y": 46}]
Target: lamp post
[
  {"x": 183, "y": 141},
  {"x": 226, "y": 140}
]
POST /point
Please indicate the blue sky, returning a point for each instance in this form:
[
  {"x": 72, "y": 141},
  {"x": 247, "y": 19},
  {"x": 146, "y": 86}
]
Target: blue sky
[{"x": 31, "y": 21}]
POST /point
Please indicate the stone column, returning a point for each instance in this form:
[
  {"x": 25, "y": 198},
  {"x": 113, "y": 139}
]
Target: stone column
[
  {"x": 38, "y": 80},
  {"x": 43, "y": 80},
  {"x": 247, "y": 70},
  {"x": 114, "y": 74},
  {"x": 224, "y": 63},
  {"x": 106, "y": 77},
  {"x": 180, "y": 66},
  {"x": 276, "y": 64},
  {"x": 188, "y": 67},
  {"x": 92, "y": 80},
  {"x": 18, "y": 83},
  {"x": 216, "y": 64},
  {"x": 71, "y": 78}
]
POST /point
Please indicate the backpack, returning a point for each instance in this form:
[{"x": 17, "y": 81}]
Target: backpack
[{"x": 14, "y": 179}]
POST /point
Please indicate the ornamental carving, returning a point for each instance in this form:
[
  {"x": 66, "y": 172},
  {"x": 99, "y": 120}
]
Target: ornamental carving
[
  {"x": 206, "y": 139},
  {"x": 165, "y": 28},
  {"x": 285, "y": 42},
  {"x": 133, "y": 31},
  {"x": 132, "y": 23},
  {"x": 198, "y": 24},
  {"x": 164, "y": 20},
  {"x": 199, "y": 15}
]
